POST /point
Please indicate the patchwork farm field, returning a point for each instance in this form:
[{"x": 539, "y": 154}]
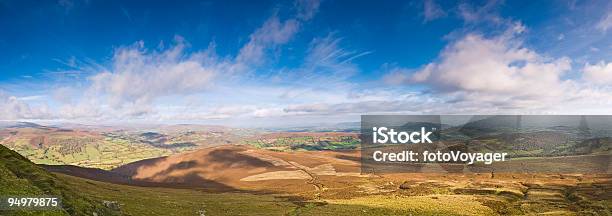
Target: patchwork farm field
[
  {"x": 84, "y": 149},
  {"x": 107, "y": 149},
  {"x": 306, "y": 141}
]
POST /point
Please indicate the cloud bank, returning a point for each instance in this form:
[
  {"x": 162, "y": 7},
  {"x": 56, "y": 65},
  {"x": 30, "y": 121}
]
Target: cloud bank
[{"x": 475, "y": 73}]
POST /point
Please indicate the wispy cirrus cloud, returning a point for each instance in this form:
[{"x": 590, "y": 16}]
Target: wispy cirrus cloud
[
  {"x": 605, "y": 22},
  {"x": 306, "y": 9},
  {"x": 137, "y": 77},
  {"x": 488, "y": 65},
  {"x": 132, "y": 84},
  {"x": 432, "y": 10},
  {"x": 480, "y": 13},
  {"x": 275, "y": 32}
]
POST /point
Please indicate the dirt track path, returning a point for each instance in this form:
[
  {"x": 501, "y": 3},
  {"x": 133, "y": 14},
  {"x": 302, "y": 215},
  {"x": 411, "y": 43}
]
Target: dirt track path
[{"x": 314, "y": 179}]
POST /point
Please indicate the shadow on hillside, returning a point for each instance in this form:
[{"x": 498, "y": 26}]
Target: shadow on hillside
[
  {"x": 229, "y": 158},
  {"x": 179, "y": 174},
  {"x": 117, "y": 178}
]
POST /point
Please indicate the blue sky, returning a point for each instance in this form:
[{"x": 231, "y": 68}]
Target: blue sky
[{"x": 268, "y": 63}]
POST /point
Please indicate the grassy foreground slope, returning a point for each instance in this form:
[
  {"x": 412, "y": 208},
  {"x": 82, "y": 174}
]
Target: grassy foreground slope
[
  {"x": 136, "y": 200},
  {"x": 20, "y": 177}
]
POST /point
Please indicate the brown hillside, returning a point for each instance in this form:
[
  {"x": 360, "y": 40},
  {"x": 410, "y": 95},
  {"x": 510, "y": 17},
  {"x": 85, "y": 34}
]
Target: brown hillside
[
  {"x": 227, "y": 164},
  {"x": 242, "y": 167}
]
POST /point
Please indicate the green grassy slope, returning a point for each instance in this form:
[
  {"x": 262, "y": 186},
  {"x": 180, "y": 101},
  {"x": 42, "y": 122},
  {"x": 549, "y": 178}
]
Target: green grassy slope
[
  {"x": 142, "y": 201},
  {"x": 20, "y": 177},
  {"x": 167, "y": 201}
]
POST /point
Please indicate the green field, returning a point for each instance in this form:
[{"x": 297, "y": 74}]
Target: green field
[
  {"x": 106, "y": 153},
  {"x": 306, "y": 143}
]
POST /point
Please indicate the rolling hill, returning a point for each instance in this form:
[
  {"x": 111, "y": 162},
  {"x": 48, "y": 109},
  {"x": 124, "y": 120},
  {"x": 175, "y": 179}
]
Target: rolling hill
[{"x": 20, "y": 177}]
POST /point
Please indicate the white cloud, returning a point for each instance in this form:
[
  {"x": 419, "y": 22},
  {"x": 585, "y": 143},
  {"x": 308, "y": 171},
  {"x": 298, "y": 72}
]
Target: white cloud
[
  {"x": 86, "y": 109},
  {"x": 307, "y": 8},
  {"x": 500, "y": 75},
  {"x": 357, "y": 107},
  {"x": 397, "y": 75},
  {"x": 600, "y": 73},
  {"x": 13, "y": 108},
  {"x": 275, "y": 32},
  {"x": 605, "y": 23},
  {"x": 491, "y": 73},
  {"x": 271, "y": 34},
  {"x": 326, "y": 57},
  {"x": 64, "y": 94},
  {"x": 561, "y": 36},
  {"x": 496, "y": 66},
  {"x": 137, "y": 76},
  {"x": 473, "y": 74},
  {"x": 326, "y": 67},
  {"x": 432, "y": 10},
  {"x": 137, "y": 80},
  {"x": 484, "y": 13}
]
